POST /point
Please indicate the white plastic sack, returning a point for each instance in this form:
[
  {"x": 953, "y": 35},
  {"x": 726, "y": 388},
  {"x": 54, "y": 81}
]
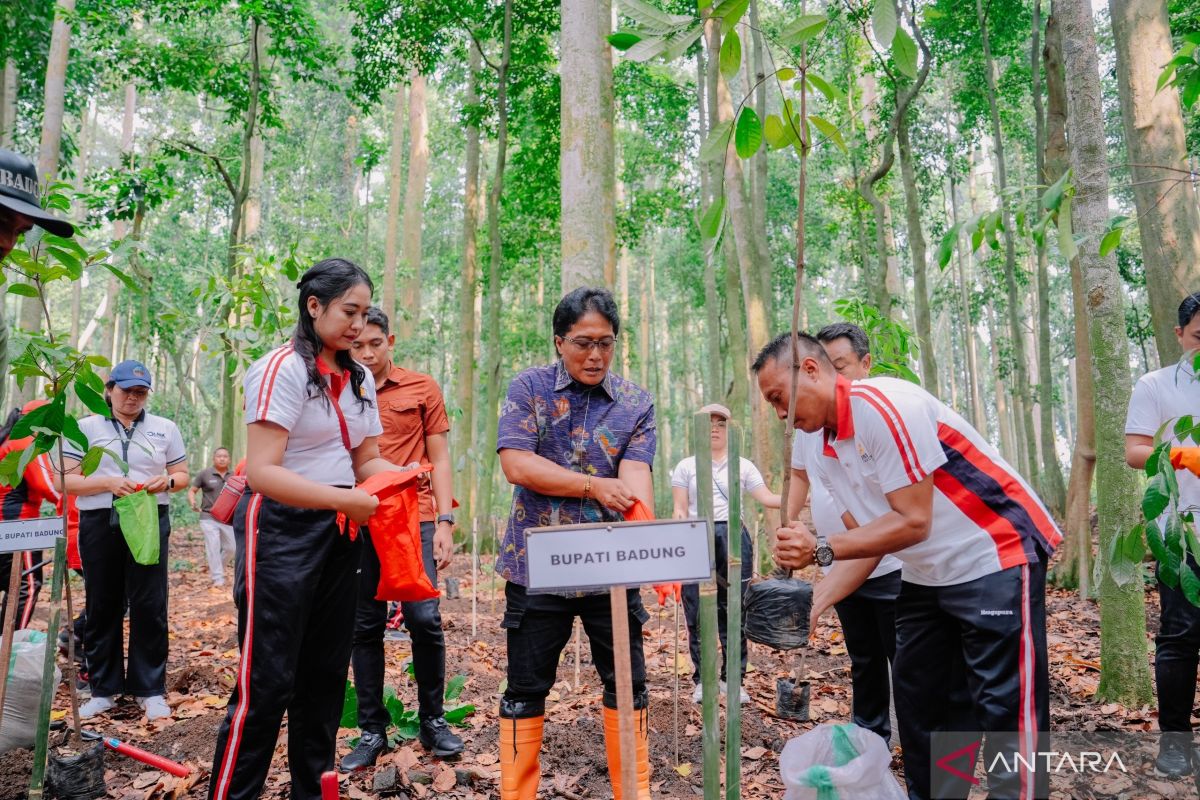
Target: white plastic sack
[
  {"x": 838, "y": 762},
  {"x": 24, "y": 692}
]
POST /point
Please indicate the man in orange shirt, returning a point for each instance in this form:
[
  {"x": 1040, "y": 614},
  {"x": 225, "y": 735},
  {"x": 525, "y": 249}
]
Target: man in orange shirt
[{"x": 415, "y": 428}]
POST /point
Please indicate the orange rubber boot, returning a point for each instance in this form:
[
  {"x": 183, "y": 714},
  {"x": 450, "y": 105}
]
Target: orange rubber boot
[
  {"x": 612, "y": 744},
  {"x": 520, "y": 770}
]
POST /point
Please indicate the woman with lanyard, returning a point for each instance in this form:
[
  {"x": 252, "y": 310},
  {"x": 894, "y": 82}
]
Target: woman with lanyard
[
  {"x": 685, "y": 497},
  {"x": 24, "y": 501},
  {"x": 577, "y": 443},
  {"x": 155, "y": 460},
  {"x": 313, "y": 428}
]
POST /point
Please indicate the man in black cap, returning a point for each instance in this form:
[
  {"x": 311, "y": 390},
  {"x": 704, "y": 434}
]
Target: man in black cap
[{"x": 19, "y": 206}]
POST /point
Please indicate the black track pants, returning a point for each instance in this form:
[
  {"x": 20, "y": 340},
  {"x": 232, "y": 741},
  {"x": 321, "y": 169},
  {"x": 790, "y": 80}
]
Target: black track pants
[
  {"x": 690, "y": 594},
  {"x": 868, "y": 618},
  {"x": 114, "y": 582},
  {"x": 294, "y": 586},
  {"x": 1175, "y": 658},
  {"x": 539, "y": 627},
  {"x": 424, "y": 622},
  {"x": 995, "y": 628}
]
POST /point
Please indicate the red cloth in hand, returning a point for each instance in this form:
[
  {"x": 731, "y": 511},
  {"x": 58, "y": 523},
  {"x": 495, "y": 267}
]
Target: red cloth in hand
[
  {"x": 639, "y": 513},
  {"x": 1186, "y": 458},
  {"x": 396, "y": 535}
]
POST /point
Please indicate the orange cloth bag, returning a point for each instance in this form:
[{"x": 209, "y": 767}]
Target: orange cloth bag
[{"x": 396, "y": 535}]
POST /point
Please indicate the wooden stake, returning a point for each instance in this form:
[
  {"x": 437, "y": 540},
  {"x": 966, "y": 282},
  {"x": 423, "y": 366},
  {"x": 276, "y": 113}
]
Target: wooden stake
[
  {"x": 71, "y": 682},
  {"x": 474, "y": 579},
  {"x": 41, "y": 742},
  {"x": 675, "y": 669},
  {"x": 578, "y": 637},
  {"x": 12, "y": 597},
  {"x": 624, "y": 680}
]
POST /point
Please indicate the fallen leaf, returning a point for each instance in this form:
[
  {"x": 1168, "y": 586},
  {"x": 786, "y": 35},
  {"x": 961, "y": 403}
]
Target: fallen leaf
[
  {"x": 684, "y": 769},
  {"x": 487, "y": 758},
  {"x": 754, "y": 753},
  {"x": 445, "y": 780}
]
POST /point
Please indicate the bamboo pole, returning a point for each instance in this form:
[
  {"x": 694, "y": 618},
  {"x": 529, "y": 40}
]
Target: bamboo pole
[
  {"x": 733, "y": 648},
  {"x": 709, "y": 691},
  {"x": 10, "y": 625},
  {"x": 578, "y": 649},
  {"x": 675, "y": 678},
  {"x": 41, "y": 743}
]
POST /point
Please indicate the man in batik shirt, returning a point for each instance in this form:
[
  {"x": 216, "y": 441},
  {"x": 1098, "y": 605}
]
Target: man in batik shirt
[{"x": 576, "y": 442}]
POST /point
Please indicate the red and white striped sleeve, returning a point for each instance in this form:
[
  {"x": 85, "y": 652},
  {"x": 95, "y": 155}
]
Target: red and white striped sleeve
[
  {"x": 897, "y": 430},
  {"x": 275, "y": 388}
]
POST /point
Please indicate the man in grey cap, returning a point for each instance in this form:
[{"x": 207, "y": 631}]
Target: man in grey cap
[
  {"x": 683, "y": 491},
  {"x": 20, "y": 209}
]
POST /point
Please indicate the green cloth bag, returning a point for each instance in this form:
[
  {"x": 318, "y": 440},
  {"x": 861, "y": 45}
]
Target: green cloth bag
[{"x": 138, "y": 513}]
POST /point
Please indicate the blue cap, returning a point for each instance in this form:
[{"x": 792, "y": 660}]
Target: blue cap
[{"x": 130, "y": 373}]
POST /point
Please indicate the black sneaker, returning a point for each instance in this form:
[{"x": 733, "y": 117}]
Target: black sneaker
[
  {"x": 370, "y": 745},
  {"x": 437, "y": 736},
  {"x": 1174, "y": 755}
]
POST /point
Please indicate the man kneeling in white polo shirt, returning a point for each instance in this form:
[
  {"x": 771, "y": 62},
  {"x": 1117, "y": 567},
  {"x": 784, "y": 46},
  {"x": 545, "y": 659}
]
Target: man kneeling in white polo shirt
[{"x": 913, "y": 478}]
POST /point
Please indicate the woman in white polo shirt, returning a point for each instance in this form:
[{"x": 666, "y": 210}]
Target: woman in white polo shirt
[
  {"x": 153, "y": 450},
  {"x": 685, "y": 496},
  {"x": 313, "y": 427},
  {"x": 1159, "y": 398}
]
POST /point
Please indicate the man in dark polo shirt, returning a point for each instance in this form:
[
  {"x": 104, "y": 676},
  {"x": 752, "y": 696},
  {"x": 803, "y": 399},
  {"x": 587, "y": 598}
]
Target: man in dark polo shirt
[
  {"x": 218, "y": 537},
  {"x": 415, "y": 428}
]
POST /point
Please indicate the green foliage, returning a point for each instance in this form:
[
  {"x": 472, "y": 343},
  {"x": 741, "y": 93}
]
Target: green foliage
[
  {"x": 405, "y": 721},
  {"x": 747, "y": 135},
  {"x": 883, "y": 22},
  {"x": 893, "y": 344},
  {"x": 41, "y": 261},
  {"x": 1183, "y": 70}
]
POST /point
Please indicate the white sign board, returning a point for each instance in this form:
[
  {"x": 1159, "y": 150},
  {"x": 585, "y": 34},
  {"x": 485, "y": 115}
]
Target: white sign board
[
  {"x": 30, "y": 534},
  {"x": 600, "y": 555}
]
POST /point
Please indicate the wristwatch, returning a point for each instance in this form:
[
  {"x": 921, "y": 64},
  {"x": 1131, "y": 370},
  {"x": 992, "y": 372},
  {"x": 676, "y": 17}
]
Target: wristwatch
[
  {"x": 445, "y": 518},
  {"x": 823, "y": 554}
]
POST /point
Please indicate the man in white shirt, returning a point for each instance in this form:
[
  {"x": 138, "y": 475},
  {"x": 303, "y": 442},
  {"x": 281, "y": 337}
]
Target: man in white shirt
[
  {"x": 868, "y": 614},
  {"x": 1160, "y": 398},
  {"x": 913, "y": 478},
  {"x": 684, "y": 493}
]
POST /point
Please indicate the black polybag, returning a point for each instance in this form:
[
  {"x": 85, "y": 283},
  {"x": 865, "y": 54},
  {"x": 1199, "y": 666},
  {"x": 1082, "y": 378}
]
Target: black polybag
[
  {"x": 77, "y": 777},
  {"x": 775, "y": 612}
]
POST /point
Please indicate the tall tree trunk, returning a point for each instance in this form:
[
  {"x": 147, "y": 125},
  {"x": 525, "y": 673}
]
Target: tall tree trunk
[
  {"x": 463, "y": 433},
  {"x": 496, "y": 256},
  {"x": 1124, "y": 673},
  {"x": 54, "y": 103},
  {"x": 916, "y": 243},
  {"x": 1168, "y": 215},
  {"x": 586, "y": 155},
  {"x": 706, "y": 91},
  {"x": 414, "y": 206},
  {"x": 391, "y": 241},
  {"x": 758, "y": 167},
  {"x": 1021, "y": 397},
  {"x": 230, "y": 385},
  {"x": 1053, "y": 489},
  {"x": 1075, "y": 566},
  {"x": 8, "y": 102},
  {"x": 970, "y": 340},
  {"x": 106, "y": 310},
  {"x": 765, "y": 429},
  {"x": 882, "y": 282},
  {"x": 739, "y": 357},
  {"x": 87, "y": 137},
  {"x": 645, "y": 310}
]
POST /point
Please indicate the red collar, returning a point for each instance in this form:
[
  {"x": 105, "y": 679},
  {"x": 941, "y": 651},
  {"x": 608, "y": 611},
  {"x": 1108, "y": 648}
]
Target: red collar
[
  {"x": 845, "y": 419},
  {"x": 337, "y": 379}
]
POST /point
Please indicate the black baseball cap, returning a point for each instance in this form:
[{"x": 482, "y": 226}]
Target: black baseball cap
[{"x": 18, "y": 192}]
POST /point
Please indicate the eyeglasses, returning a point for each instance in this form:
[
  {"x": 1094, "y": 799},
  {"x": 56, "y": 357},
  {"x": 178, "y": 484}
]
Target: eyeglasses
[{"x": 584, "y": 345}]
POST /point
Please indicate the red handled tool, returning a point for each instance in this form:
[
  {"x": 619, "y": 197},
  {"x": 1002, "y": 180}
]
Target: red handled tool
[
  {"x": 329, "y": 786},
  {"x": 138, "y": 754}
]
